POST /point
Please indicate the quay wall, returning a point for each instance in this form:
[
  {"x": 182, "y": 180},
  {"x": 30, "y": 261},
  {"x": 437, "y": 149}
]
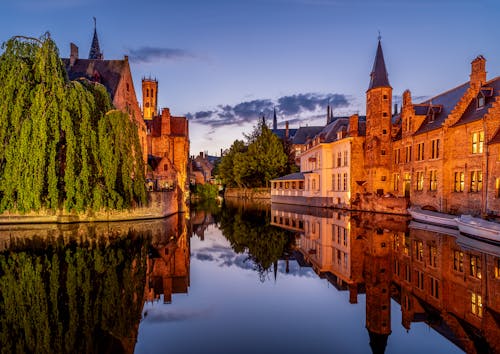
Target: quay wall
[
  {"x": 160, "y": 204},
  {"x": 248, "y": 193}
]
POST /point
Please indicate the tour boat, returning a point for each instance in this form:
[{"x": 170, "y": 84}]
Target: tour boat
[
  {"x": 432, "y": 217},
  {"x": 479, "y": 228}
]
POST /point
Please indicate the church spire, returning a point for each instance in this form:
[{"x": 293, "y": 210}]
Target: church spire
[
  {"x": 378, "y": 76},
  {"x": 95, "y": 50},
  {"x": 275, "y": 120}
]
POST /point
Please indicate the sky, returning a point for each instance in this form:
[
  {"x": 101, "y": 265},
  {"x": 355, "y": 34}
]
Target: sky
[{"x": 225, "y": 63}]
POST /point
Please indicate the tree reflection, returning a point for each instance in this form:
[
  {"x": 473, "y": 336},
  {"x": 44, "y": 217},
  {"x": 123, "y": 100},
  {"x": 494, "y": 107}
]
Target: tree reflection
[
  {"x": 248, "y": 230},
  {"x": 72, "y": 296}
]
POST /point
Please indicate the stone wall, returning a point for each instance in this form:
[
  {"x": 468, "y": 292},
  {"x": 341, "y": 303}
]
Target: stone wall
[
  {"x": 160, "y": 204},
  {"x": 248, "y": 193}
]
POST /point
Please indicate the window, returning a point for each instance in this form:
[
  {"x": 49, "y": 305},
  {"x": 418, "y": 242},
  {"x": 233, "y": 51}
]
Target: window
[
  {"x": 477, "y": 142},
  {"x": 395, "y": 179},
  {"x": 384, "y": 131},
  {"x": 497, "y": 188},
  {"x": 152, "y": 93},
  {"x": 408, "y": 154},
  {"x": 420, "y": 279},
  {"x": 385, "y": 97},
  {"x": 147, "y": 92},
  {"x": 128, "y": 87},
  {"x": 165, "y": 167},
  {"x": 408, "y": 124},
  {"x": 459, "y": 182},
  {"x": 281, "y": 185},
  {"x": 345, "y": 181},
  {"x": 480, "y": 100},
  {"x": 476, "y": 181},
  {"x": 475, "y": 266},
  {"x": 397, "y": 156},
  {"x": 458, "y": 261},
  {"x": 301, "y": 184},
  {"x": 435, "y": 149},
  {"x": 433, "y": 180},
  {"x": 345, "y": 158},
  {"x": 294, "y": 185},
  {"x": 314, "y": 184},
  {"x": 339, "y": 182},
  {"x": 287, "y": 185},
  {"x": 333, "y": 182},
  {"x": 345, "y": 237},
  {"x": 433, "y": 256},
  {"x": 435, "y": 288},
  {"x": 420, "y": 151},
  {"x": 407, "y": 273},
  {"x": 477, "y": 304},
  {"x": 420, "y": 181},
  {"x": 418, "y": 250},
  {"x": 396, "y": 267},
  {"x": 339, "y": 159},
  {"x": 382, "y": 152}
]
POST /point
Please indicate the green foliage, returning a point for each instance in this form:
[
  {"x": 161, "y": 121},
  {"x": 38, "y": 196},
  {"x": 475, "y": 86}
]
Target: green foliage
[
  {"x": 206, "y": 191},
  {"x": 51, "y": 148},
  {"x": 71, "y": 298},
  {"x": 250, "y": 231},
  {"x": 254, "y": 164}
]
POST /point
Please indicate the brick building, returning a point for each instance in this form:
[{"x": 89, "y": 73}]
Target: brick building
[{"x": 445, "y": 149}]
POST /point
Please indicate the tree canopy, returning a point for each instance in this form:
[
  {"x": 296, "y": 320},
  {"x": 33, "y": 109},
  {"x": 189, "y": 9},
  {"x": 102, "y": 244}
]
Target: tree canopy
[
  {"x": 256, "y": 162},
  {"x": 62, "y": 145}
]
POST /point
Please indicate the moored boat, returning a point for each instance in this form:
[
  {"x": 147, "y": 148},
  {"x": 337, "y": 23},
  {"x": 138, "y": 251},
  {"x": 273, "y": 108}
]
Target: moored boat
[
  {"x": 479, "y": 228},
  {"x": 432, "y": 217}
]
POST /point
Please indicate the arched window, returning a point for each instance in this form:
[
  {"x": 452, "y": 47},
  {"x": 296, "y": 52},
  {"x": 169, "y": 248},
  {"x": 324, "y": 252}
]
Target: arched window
[{"x": 147, "y": 92}]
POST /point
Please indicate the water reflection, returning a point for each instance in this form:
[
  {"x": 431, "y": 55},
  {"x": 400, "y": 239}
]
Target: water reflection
[{"x": 438, "y": 276}]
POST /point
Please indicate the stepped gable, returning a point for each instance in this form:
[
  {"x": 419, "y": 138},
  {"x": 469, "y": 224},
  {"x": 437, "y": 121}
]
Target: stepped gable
[
  {"x": 305, "y": 133},
  {"x": 446, "y": 101},
  {"x": 106, "y": 72},
  {"x": 490, "y": 91},
  {"x": 496, "y": 138}
]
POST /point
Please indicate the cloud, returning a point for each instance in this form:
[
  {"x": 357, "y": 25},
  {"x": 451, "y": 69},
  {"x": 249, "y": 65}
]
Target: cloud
[
  {"x": 296, "y": 109},
  {"x": 150, "y": 54}
]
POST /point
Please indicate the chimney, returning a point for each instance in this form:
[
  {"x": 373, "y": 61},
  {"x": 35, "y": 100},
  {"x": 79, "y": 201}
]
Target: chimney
[
  {"x": 354, "y": 125},
  {"x": 165, "y": 121},
  {"x": 286, "y": 130},
  {"x": 478, "y": 71},
  {"x": 73, "y": 56}
]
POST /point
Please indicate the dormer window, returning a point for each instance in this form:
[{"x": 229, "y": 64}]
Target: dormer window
[
  {"x": 480, "y": 100},
  {"x": 432, "y": 116}
]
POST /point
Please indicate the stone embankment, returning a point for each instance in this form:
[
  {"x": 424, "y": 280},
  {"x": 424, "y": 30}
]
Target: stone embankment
[
  {"x": 160, "y": 204},
  {"x": 248, "y": 193}
]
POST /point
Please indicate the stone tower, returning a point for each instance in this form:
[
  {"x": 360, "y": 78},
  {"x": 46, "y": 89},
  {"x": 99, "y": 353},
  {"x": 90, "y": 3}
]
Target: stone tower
[
  {"x": 149, "y": 98},
  {"x": 378, "y": 127}
]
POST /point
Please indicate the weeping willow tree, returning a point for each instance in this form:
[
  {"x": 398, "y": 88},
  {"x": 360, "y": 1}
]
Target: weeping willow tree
[{"x": 61, "y": 144}]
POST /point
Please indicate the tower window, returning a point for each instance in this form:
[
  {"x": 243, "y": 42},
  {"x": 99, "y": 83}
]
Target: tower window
[
  {"x": 128, "y": 87},
  {"x": 385, "y": 97},
  {"x": 152, "y": 93},
  {"x": 384, "y": 114},
  {"x": 147, "y": 92}
]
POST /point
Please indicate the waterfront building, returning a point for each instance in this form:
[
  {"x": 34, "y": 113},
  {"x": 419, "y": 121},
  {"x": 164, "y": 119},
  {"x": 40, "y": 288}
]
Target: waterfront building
[
  {"x": 115, "y": 75},
  {"x": 442, "y": 154},
  {"x": 445, "y": 155}
]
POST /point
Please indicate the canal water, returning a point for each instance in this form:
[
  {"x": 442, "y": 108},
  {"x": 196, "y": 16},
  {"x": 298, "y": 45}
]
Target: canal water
[{"x": 248, "y": 279}]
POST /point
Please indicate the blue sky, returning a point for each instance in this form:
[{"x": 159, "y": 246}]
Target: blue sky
[{"x": 224, "y": 62}]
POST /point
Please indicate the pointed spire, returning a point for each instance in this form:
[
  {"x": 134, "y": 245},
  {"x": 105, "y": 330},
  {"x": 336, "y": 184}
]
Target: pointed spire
[
  {"x": 95, "y": 50},
  {"x": 275, "y": 120},
  {"x": 378, "y": 76}
]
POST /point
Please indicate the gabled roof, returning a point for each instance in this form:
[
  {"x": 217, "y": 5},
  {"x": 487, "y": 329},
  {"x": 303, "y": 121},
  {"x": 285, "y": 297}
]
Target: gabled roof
[
  {"x": 378, "y": 76},
  {"x": 106, "y": 72},
  {"x": 447, "y": 101},
  {"x": 489, "y": 91},
  {"x": 281, "y": 133},
  {"x": 305, "y": 133},
  {"x": 291, "y": 177}
]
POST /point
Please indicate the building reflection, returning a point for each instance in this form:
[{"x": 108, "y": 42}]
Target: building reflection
[
  {"x": 438, "y": 276},
  {"x": 168, "y": 261}
]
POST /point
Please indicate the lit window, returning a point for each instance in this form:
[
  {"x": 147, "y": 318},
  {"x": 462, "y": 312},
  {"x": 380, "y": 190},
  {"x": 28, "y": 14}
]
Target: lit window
[
  {"x": 477, "y": 142},
  {"x": 418, "y": 250},
  {"x": 475, "y": 266},
  {"x": 497, "y": 188},
  {"x": 477, "y": 304},
  {"x": 433, "y": 256},
  {"x": 420, "y": 181},
  {"x": 433, "y": 180},
  {"x": 459, "y": 182},
  {"x": 497, "y": 268},
  {"x": 458, "y": 261},
  {"x": 396, "y": 181},
  {"x": 476, "y": 181}
]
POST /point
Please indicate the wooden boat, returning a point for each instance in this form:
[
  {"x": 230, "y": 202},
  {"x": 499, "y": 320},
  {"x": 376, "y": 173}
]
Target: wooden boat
[
  {"x": 434, "y": 228},
  {"x": 479, "y": 228},
  {"x": 433, "y": 217}
]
